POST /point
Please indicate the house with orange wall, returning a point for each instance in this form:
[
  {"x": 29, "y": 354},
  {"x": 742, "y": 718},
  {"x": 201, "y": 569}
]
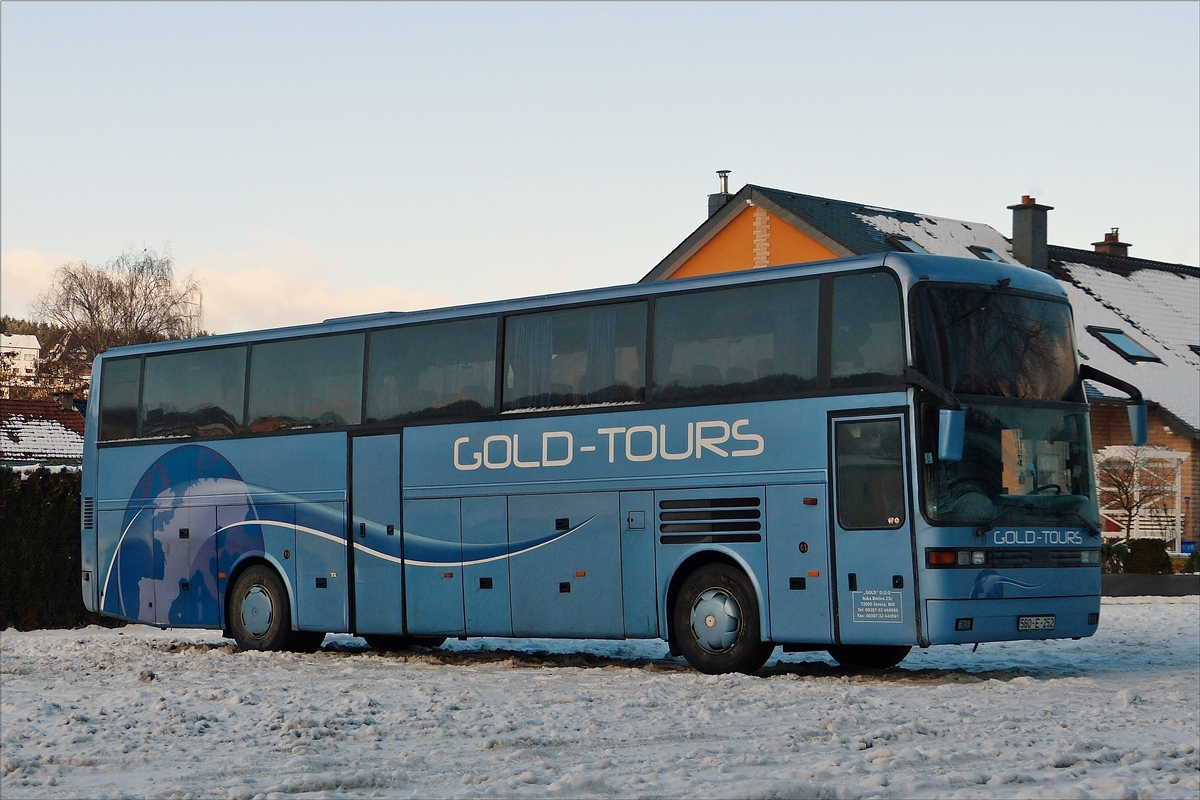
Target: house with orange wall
[{"x": 1137, "y": 319}]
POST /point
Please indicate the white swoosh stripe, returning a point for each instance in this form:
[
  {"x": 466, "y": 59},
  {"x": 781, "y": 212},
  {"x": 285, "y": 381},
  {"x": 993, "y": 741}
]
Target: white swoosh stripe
[
  {"x": 499, "y": 557},
  {"x": 294, "y": 527},
  {"x": 113, "y": 560}
]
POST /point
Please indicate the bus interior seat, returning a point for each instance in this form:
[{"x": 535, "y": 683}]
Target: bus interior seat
[
  {"x": 738, "y": 375},
  {"x": 706, "y": 375}
]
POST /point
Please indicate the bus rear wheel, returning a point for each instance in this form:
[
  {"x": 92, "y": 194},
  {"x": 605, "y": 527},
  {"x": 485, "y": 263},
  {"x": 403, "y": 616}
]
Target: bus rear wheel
[
  {"x": 259, "y": 617},
  {"x": 715, "y": 622},
  {"x": 869, "y": 656}
]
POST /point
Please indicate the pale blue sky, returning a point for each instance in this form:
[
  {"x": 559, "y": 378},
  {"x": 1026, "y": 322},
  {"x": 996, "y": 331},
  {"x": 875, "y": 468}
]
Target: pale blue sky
[{"x": 310, "y": 160}]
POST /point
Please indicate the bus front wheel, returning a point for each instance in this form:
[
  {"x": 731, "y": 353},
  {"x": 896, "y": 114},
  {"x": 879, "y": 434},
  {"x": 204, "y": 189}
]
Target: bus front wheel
[
  {"x": 259, "y": 618},
  {"x": 715, "y": 623},
  {"x": 869, "y": 656}
]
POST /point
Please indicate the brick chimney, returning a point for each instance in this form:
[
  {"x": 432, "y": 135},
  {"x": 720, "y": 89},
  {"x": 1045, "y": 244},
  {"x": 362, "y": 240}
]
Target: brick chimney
[
  {"x": 716, "y": 201},
  {"x": 1029, "y": 233},
  {"x": 1112, "y": 244}
]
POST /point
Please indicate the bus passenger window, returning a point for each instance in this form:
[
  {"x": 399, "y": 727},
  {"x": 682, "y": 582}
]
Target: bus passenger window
[
  {"x": 578, "y": 357},
  {"x": 868, "y": 339},
  {"x": 306, "y": 383},
  {"x": 201, "y": 393},
  {"x": 870, "y": 475},
  {"x": 444, "y": 369},
  {"x": 749, "y": 342},
  {"x": 119, "y": 386}
]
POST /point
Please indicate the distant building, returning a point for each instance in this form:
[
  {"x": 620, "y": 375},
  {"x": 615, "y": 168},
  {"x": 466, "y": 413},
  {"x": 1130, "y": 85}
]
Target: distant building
[
  {"x": 25, "y": 352},
  {"x": 1135, "y": 318},
  {"x": 39, "y": 433}
]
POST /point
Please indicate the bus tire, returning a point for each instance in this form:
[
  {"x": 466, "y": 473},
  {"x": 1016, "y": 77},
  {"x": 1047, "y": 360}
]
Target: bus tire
[
  {"x": 259, "y": 615},
  {"x": 715, "y": 623},
  {"x": 869, "y": 656}
]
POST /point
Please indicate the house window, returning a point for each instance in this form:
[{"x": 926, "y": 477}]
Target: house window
[
  {"x": 1121, "y": 342},
  {"x": 986, "y": 253},
  {"x": 1195, "y": 348},
  {"x": 905, "y": 244}
]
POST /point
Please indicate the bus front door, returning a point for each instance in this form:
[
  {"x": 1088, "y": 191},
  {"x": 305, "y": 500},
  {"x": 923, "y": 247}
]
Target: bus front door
[{"x": 872, "y": 531}]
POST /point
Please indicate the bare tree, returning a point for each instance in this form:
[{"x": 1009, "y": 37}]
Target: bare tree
[
  {"x": 132, "y": 299},
  {"x": 1134, "y": 480}
]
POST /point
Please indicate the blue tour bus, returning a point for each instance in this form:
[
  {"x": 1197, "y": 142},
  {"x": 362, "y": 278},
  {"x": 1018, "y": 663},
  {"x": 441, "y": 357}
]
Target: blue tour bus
[{"x": 857, "y": 456}]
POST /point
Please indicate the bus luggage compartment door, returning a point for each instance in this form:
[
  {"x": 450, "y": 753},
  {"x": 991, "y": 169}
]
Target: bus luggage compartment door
[
  {"x": 565, "y": 565},
  {"x": 433, "y": 568},
  {"x": 873, "y": 543},
  {"x": 798, "y": 576},
  {"x": 186, "y": 552}
]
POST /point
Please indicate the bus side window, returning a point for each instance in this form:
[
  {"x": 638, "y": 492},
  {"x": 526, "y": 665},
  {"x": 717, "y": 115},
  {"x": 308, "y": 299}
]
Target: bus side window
[
  {"x": 868, "y": 339},
  {"x": 119, "y": 388},
  {"x": 585, "y": 356},
  {"x": 870, "y": 475},
  {"x": 200, "y": 393},
  {"x": 740, "y": 343},
  {"x": 314, "y": 382},
  {"x": 444, "y": 369}
]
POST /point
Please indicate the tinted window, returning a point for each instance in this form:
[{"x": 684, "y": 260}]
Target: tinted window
[
  {"x": 445, "y": 369},
  {"x": 868, "y": 340},
  {"x": 306, "y": 383},
  {"x": 985, "y": 342},
  {"x": 745, "y": 342},
  {"x": 195, "y": 394},
  {"x": 119, "y": 385},
  {"x": 870, "y": 475},
  {"x": 584, "y": 356}
]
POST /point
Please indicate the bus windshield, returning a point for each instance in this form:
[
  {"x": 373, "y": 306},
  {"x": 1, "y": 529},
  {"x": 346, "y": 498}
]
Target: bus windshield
[
  {"x": 1022, "y": 464},
  {"x": 986, "y": 341}
]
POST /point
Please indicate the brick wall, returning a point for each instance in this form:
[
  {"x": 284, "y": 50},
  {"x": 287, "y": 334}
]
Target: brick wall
[{"x": 1110, "y": 425}]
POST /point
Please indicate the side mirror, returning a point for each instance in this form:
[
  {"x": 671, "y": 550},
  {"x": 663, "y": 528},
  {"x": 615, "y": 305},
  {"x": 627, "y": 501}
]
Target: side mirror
[
  {"x": 952, "y": 425},
  {"x": 1138, "y": 425}
]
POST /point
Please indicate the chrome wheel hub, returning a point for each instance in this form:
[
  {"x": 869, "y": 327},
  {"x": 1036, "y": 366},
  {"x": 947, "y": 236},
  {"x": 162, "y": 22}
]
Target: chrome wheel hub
[
  {"x": 257, "y": 611},
  {"x": 716, "y": 620}
]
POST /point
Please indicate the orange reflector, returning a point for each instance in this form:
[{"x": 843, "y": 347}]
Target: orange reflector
[
  {"x": 810, "y": 501},
  {"x": 814, "y": 573},
  {"x": 940, "y": 558},
  {"x": 580, "y": 574},
  {"x": 447, "y": 574},
  {"x": 220, "y": 574}
]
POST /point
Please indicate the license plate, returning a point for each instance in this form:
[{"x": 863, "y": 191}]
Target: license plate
[{"x": 1045, "y": 623}]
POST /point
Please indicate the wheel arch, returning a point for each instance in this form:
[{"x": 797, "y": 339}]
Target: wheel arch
[
  {"x": 699, "y": 559},
  {"x": 244, "y": 563}
]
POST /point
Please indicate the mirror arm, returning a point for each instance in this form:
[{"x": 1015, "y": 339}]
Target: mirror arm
[
  {"x": 1089, "y": 373},
  {"x": 921, "y": 381}
]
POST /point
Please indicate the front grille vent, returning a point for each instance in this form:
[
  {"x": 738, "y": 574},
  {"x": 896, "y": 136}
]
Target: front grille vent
[
  {"x": 89, "y": 513},
  {"x": 710, "y": 520}
]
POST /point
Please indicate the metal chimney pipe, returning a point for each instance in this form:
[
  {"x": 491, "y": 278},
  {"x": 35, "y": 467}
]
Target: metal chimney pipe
[{"x": 716, "y": 201}]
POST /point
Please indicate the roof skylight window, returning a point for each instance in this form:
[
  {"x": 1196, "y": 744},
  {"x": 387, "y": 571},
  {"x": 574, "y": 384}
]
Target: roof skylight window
[
  {"x": 905, "y": 244},
  {"x": 1123, "y": 343},
  {"x": 986, "y": 253}
]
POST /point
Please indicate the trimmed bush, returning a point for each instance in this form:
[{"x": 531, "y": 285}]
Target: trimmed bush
[{"x": 1148, "y": 557}]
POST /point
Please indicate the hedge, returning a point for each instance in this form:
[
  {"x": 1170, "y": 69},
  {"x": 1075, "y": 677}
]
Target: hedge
[{"x": 39, "y": 552}]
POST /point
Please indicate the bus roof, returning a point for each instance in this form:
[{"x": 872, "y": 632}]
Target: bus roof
[{"x": 910, "y": 268}]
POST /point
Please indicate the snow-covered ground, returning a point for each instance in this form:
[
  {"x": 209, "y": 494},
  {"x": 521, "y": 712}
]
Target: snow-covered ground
[{"x": 145, "y": 712}]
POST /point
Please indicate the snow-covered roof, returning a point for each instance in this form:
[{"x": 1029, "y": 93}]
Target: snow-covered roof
[
  {"x": 1155, "y": 303},
  {"x": 39, "y": 431},
  {"x": 19, "y": 341}
]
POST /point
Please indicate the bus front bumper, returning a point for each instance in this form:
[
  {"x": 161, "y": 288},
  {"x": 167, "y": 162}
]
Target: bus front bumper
[{"x": 1009, "y": 619}]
